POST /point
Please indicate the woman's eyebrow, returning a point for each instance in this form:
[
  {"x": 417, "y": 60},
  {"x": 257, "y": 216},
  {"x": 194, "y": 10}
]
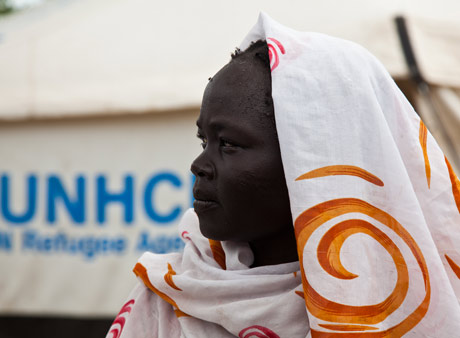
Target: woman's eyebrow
[
  {"x": 218, "y": 126},
  {"x": 222, "y": 125},
  {"x": 227, "y": 125}
]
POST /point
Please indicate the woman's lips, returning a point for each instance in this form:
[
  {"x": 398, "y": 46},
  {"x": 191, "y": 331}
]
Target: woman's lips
[{"x": 203, "y": 205}]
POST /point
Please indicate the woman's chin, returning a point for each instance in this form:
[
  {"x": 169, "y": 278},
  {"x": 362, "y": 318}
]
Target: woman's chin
[
  {"x": 209, "y": 234},
  {"x": 209, "y": 231}
]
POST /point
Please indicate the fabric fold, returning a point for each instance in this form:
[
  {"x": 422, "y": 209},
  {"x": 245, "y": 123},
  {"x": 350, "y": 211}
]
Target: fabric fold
[
  {"x": 195, "y": 285},
  {"x": 372, "y": 255},
  {"x": 375, "y": 212}
]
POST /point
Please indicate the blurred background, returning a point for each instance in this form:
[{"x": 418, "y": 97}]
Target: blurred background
[{"x": 98, "y": 102}]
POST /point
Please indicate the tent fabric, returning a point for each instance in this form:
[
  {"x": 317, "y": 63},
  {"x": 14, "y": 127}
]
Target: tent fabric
[
  {"x": 73, "y": 58},
  {"x": 437, "y": 47}
]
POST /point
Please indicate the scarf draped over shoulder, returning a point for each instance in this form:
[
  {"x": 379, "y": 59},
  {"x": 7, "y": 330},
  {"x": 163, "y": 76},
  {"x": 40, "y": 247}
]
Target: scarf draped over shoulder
[{"x": 376, "y": 212}]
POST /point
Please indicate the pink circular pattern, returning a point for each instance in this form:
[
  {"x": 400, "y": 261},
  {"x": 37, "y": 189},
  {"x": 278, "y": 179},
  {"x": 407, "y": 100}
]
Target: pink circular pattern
[
  {"x": 185, "y": 235},
  {"x": 257, "y": 331},
  {"x": 120, "y": 320},
  {"x": 273, "y": 47}
]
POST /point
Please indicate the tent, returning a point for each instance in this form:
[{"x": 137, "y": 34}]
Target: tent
[{"x": 115, "y": 57}]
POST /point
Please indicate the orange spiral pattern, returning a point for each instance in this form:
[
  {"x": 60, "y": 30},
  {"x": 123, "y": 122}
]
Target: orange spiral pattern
[
  {"x": 141, "y": 272},
  {"x": 329, "y": 259},
  {"x": 339, "y": 327},
  {"x": 218, "y": 253},
  {"x": 168, "y": 278},
  {"x": 334, "y": 170},
  {"x": 455, "y": 268},
  {"x": 180, "y": 313},
  {"x": 455, "y": 184},
  {"x": 300, "y": 294},
  {"x": 328, "y": 253},
  {"x": 423, "y": 133}
]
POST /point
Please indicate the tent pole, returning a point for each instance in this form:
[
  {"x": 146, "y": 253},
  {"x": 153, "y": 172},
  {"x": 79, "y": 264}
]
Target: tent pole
[{"x": 423, "y": 89}]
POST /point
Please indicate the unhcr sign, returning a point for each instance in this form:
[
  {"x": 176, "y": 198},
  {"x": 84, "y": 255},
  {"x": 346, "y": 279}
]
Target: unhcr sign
[
  {"x": 81, "y": 200},
  {"x": 74, "y": 204}
]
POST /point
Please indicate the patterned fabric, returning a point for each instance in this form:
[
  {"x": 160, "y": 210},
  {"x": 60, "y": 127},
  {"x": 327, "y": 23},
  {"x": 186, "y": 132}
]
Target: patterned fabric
[
  {"x": 376, "y": 211},
  {"x": 195, "y": 287}
]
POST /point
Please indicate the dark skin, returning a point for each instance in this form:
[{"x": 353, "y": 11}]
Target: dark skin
[{"x": 240, "y": 189}]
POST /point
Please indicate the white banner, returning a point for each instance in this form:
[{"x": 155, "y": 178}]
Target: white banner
[{"x": 81, "y": 200}]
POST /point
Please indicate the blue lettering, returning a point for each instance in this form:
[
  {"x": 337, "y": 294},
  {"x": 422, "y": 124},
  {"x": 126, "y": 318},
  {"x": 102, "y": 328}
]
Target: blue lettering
[
  {"x": 31, "y": 200},
  {"x": 6, "y": 240},
  {"x": 120, "y": 245},
  {"x": 28, "y": 239},
  {"x": 126, "y": 198},
  {"x": 88, "y": 246},
  {"x": 159, "y": 244},
  {"x": 73, "y": 200},
  {"x": 149, "y": 202},
  {"x": 46, "y": 245},
  {"x": 56, "y": 191}
]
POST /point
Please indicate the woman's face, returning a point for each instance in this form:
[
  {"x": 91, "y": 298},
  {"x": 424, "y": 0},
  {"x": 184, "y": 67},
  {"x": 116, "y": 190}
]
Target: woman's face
[{"x": 240, "y": 189}]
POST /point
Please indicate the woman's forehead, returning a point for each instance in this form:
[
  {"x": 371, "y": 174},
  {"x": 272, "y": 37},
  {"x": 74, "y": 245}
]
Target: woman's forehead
[
  {"x": 237, "y": 83},
  {"x": 234, "y": 112}
]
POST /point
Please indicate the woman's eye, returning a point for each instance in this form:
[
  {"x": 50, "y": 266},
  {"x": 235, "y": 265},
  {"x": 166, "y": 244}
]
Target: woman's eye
[
  {"x": 227, "y": 144},
  {"x": 203, "y": 139},
  {"x": 204, "y": 142}
]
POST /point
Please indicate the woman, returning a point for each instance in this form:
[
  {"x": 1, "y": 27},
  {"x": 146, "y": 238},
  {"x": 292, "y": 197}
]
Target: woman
[{"x": 356, "y": 189}]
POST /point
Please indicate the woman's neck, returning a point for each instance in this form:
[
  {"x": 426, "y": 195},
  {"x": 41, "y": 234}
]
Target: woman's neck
[{"x": 277, "y": 249}]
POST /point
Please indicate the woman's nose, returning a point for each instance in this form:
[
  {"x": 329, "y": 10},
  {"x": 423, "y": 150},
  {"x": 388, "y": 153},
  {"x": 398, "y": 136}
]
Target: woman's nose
[{"x": 202, "y": 167}]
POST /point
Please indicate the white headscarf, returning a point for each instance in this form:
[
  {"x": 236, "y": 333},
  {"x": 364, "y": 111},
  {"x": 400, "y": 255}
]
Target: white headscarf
[{"x": 376, "y": 210}]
